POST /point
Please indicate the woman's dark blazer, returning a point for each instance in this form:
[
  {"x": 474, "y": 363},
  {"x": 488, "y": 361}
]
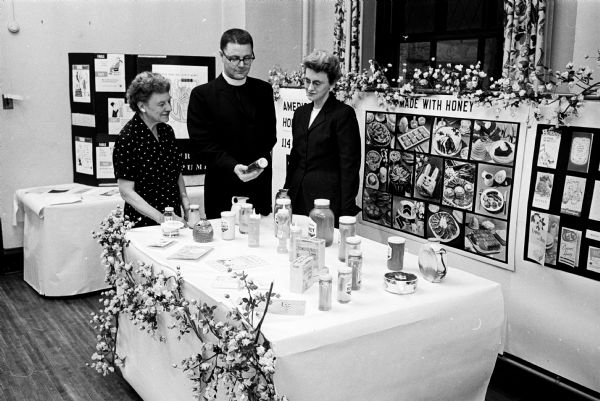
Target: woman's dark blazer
[{"x": 325, "y": 158}]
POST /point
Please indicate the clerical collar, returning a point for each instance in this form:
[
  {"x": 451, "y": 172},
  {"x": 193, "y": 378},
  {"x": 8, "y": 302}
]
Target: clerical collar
[{"x": 234, "y": 82}]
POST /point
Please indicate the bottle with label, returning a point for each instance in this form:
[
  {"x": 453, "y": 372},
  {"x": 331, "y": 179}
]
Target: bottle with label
[
  {"x": 344, "y": 287},
  {"x": 325, "y": 292},
  {"x": 169, "y": 214},
  {"x": 228, "y": 225},
  {"x": 347, "y": 229},
  {"x": 353, "y": 242},
  {"x": 282, "y": 220},
  {"x": 295, "y": 232},
  {"x": 355, "y": 263},
  {"x": 282, "y": 203},
  {"x": 254, "y": 230},
  {"x": 245, "y": 212},
  {"x": 321, "y": 220},
  {"x": 261, "y": 163},
  {"x": 193, "y": 216}
]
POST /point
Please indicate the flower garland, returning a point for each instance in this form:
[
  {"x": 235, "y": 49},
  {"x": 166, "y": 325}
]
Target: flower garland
[
  {"x": 339, "y": 36},
  {"x": 233, "y": 355},
  {"x": 470, "y": 83}
]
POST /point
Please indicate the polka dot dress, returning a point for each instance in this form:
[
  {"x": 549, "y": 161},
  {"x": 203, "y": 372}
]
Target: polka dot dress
[{"x": 154, "y": 166}]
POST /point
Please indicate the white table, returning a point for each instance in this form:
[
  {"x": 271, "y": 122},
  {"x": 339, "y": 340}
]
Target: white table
[{"x": 439, "y": 343}]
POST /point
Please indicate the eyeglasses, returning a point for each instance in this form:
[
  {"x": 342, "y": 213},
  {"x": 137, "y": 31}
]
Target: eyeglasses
[
  {"x": 236, "y": 60},
  {"x": 315, "y": 84}
]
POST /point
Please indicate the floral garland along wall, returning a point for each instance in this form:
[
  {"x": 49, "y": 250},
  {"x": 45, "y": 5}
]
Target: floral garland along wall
[
  {"x": 233, "y": 356},
  {"x": 470, "y": 83}
]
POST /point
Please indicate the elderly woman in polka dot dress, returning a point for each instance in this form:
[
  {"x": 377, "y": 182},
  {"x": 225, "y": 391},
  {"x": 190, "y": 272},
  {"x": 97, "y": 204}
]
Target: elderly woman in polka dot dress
[{"x": 146, "y": 159}]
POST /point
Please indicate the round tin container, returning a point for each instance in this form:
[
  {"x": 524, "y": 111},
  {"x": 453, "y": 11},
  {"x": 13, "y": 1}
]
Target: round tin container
[{"x": 400, "y": 282}]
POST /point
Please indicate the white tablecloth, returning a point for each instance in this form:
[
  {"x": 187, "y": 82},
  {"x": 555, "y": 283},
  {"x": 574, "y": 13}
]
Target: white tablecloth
[{"x": 439, "y": 343}]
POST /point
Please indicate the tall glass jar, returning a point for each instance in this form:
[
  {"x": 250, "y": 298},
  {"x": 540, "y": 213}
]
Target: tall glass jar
[
  {"x": 321, "y": 221},
  {"x": 325, "y": 292},
  {"x": 347, "y": 229},
  {"x": 432, "y": 261},
  {"x": 193, "y": 216},
  {"x": 245, "y": 212},
  {"x": 282, "y": 203},
  {"x": 281, "y": 194}
]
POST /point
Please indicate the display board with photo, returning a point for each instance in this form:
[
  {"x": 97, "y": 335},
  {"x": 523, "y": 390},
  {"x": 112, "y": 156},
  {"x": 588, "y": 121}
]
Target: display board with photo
[
  {"x": 563, "y": 229},
  {"x": 442, "y": 177}
]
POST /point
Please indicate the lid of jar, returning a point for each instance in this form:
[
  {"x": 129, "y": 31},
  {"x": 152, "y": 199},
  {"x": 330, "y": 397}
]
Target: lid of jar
[
  {"x": 283, "y": 211},
  {"x": 194, "y": 207},
  {"x": 355, "y": 239},
  {"x": 347, "y": 220},
  {"x": 246, "y": 206},
  {"x": 355, "y": 252},
  {"x": 227, "y": 213},
  {"x": 345, "y": 269},
  {"x": 396, "y": 240},
  {"x": 325, "y": 277},
  {"x": 283, "y": 201},
  {"x": 322, "y": 202},
  {"x": 169, "y": 209},
  {"x": 262, "y": 162}
]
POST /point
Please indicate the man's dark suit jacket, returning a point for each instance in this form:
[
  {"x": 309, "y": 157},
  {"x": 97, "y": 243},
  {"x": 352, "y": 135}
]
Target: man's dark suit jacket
[
  {"x": 229, "y": 125},
  {"x": 325, "y": 158}
]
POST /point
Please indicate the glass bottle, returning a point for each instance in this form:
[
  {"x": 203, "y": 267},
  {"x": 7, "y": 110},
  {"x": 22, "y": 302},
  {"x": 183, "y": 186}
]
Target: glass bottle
[
  {"x": 355, "y": 263},
  {"x": 432, "y": 261},
  {"x": 325, "y": 292},
  {"x": 353, "y": 242},
  {"x": 254, "y": 230},
  {"x": 281, "y": 194},
  {"x": 321, "y": 222},
  {"x": 344, "y": 284},
  {"x": 203, "y": 231},
  {"x": 282, "y": 220},
  {"x": 295, "y": 232},
  {"x": 347, "y": 229},
  {"x": 282, "y": 203},
  {"x": 245, "y": 212},
  {"x": 169, "y": 214},
  {"x": 193, "y": 216}
]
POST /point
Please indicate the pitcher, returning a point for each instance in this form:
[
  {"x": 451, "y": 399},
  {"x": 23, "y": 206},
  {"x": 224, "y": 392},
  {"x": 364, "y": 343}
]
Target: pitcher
[
  {"x": 432, "y": 261},
  {"x": 236, "y": 201}
]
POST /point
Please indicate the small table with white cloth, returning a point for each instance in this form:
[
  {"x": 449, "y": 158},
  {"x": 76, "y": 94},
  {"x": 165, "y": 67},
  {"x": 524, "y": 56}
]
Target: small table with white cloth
[
  {"x": 439, "y": 343},
  {"x": 60, "y": 256}
]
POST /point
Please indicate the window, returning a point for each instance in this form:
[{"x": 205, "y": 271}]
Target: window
[{"x": 451, "y": 31}]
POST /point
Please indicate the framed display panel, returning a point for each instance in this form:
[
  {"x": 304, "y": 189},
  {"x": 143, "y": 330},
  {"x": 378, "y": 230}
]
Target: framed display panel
[
  {"x": 563, "y": 208},
  {"x": 439, "y": 169}
]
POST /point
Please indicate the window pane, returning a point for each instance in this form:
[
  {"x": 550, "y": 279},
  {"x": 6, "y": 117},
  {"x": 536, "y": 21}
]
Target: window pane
[
  {"x": 491, "y": 61},
  {"x": 464, "y": 14},
  {"x": 415, "y": 55},
  {"x": 419, "y": 16},
  {"x": 457, "y": 52}
]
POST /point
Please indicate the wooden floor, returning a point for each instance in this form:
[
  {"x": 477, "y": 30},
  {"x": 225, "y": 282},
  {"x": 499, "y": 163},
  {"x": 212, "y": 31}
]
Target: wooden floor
[{"x": 46, "y": 342}]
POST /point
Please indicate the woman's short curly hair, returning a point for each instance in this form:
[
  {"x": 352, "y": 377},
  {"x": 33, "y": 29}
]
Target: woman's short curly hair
[
  {"x": 143, "y": 86},
  {"x": 321, "y": 61}
]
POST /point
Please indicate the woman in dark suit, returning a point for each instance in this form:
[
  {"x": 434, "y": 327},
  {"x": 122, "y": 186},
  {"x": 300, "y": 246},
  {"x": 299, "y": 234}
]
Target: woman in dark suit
[{"x": 325, "y": 157}]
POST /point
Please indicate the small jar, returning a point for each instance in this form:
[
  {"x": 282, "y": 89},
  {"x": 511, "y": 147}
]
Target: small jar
[
  {"x": 325, "y": 292},
  {"x": 355, "y": 263},
  {"x": 245, "y": 212},
  {"x": 169, "y": 214},
  {"x": 344, "y": 284},
  {"x": 254, "y": 230},
  {"x": 347, "y": 229},
  {"x": 282, "y": 220},
  {"x": 295, "y": 233},
  {"x": 282, "y": 203},
  {"x": 321, "y": 221},
  {"x": 395, "y": 258},
  {"x": 281, "y": 194},
  {"x": 228, "y": 225},
  {"x": 353, "y": 242},
  {"x": 193, "y": 216},
  {"x": 203, "y": 231}
]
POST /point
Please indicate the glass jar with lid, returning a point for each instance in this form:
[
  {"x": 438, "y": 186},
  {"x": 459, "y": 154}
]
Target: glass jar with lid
[
  {"x": 321, "y": 220},
  {"x": 193, "y": 215},
  {"x": 347, "y": 229},
  {"x": 282, "y": 203}
]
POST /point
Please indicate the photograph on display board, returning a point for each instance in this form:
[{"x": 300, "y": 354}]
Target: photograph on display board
[
  {"x": 593, "y": 259},
  {"x": 413, "y": 132},
  {"x": 579, "y": 156},
  {"x": 494, "y": 188},
  {"x": 409, "y": 216},
  {"x": 459, "y": 184},
  {"x": 445, "y": 224},
  {"x": 377, "y": 207},
  {"x": 380, "y": 129},
  {"x": 570, "y": 242},
  {"x": 543, "y": 190},
  {"x": 451, "y": 137},
  {"x": 595, "y": 205},
  {"x": 538, "y": 229},
  {"x": 572, "y": 197},
  {"x": 376, "y": 168},
  {"x": 428, "y": 177},
  {"x": 400, "y": 173},
  {"x": 486, "y": 236},
  {"x": 494, "y": 142},
  {"x": 552, "y": 239},
  {"x": 80, "y": 84},
  {"x": 549, "y": 147}
]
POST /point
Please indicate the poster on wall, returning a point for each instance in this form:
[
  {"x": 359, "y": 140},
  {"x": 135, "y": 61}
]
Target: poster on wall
[
  {"x": 104, "y": 161},
  {"x": 183, "y": 79},
  {"x": 109, "y": 72},
  {"x": 80, "y": 84},
  {"x": 564, "y": 201},
  {"x": 119, "y": 114},
  {"x": 83, "y": 155},
  {"x": 444, "y": 177}
]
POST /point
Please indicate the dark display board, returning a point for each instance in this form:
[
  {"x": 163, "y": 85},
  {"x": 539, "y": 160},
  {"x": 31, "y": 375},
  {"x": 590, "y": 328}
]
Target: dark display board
[
  {"x": 98, "y": 82},
  {"x": 442, "y": 177},
  {"x": 563, "y": 208}
]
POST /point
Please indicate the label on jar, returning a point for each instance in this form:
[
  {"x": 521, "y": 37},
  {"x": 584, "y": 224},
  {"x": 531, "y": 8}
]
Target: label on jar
[
  {"x": 224, "y": 225},
  {"x": 389, "y": 252},
  {"x": 312, "y": 228}
]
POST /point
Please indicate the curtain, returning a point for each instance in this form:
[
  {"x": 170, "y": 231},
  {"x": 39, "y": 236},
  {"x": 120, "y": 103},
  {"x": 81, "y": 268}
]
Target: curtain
[
  {"x": 347, "y": 47},
  {"x": 525, "y": 40}
]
